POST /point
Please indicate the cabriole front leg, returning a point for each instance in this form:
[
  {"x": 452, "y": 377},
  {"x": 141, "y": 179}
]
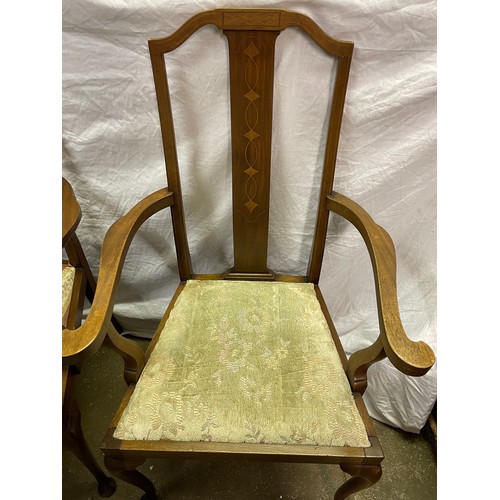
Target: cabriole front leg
[
  {"x": 363, "y": 476},
  {"x": 125, "y": 469},
  {"x": 74, "y": 440}
]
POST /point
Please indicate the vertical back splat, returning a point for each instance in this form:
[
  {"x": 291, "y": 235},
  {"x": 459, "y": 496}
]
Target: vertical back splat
[{"x": 251, "y": 63}]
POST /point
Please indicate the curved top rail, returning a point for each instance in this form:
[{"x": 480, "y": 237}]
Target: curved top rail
[{"x": 252, "y": 19}]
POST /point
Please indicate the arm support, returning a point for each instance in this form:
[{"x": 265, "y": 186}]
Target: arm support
[
  {"x": 411, "y": 358},
  {"x": 78, "y": 344}
]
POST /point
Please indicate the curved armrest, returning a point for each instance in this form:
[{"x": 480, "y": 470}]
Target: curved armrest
[
  {"x": 412, "y": 358},
  {"x": 78, "y": 344},
  {"x": 71, "y": 212}
]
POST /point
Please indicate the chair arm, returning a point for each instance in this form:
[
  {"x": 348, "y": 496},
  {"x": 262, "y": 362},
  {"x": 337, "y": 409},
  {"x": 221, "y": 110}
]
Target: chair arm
[
  {"x": 71, "y": 212},
  {"x": 411, "y": 358},
  {"x": 84, "y": 341}
]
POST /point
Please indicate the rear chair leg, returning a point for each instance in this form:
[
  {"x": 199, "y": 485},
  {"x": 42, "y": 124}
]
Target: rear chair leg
[
  {"x": 125, "y": 470},
  {"x": 74, "y": 440},
  {"x": 364, "y": 476}
]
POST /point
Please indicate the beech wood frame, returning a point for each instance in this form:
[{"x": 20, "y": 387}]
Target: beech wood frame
[{"x": 260, "y": 27}]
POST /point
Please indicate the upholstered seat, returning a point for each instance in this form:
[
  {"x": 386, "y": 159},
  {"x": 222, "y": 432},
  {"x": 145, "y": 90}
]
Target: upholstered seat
[
  {"x": 68, "y": 279},
  {"x": 245, "y": 362}
]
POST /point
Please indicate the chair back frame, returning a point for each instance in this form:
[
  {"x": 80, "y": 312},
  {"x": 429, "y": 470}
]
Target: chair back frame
[{"x": 251, "y": 35}]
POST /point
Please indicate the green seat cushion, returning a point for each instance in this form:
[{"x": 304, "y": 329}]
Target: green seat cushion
[
  {"x": 68, "y": 279},
  {"x": 245, "y": 362}
]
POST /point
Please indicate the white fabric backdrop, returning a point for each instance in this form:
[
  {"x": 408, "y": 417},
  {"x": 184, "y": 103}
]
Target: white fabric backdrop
[{"x": 387, "y": 159}]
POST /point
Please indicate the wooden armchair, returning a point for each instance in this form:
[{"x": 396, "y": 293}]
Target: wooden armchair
[
  {"x": 78, "y": 282},
  {"x": 248, "y": 364}
]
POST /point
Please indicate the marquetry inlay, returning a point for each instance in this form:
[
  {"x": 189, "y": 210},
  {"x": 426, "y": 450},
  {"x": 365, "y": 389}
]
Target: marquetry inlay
[
  {"x": 251, "y": 120},
  {"x": 251, "y": 62}
]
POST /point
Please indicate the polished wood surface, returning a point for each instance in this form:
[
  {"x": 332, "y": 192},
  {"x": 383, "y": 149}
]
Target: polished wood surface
[
  {"x": 252, "y": 19},
  {"x": 363, "y": 476},
  {"x": 333, "y": 331},
  {"x": 332, "y": 142},
  {"x": 171, "y": 164},
  {"x": 181, "y": 450},
  {"x": 360, "y": 361}
]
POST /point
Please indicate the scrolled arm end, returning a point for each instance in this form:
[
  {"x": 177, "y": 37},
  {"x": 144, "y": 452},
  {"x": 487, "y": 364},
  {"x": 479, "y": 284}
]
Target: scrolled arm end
[{"x": 411, "y": 358}]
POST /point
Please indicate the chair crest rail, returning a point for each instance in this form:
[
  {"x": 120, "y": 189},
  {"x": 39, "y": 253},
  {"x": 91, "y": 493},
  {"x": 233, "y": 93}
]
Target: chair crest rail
[{"x": 252, "y": 19}]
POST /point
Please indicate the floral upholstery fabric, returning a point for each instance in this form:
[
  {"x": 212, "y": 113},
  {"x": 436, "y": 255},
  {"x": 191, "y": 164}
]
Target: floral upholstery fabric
[
  {"x": 245, "y": 362},
  {"x": 68, "y": 278}
]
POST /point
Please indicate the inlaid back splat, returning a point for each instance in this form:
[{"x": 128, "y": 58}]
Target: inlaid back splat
[
  {"x": 251, "y": 63},
  {"x": 251, "y": 36}
]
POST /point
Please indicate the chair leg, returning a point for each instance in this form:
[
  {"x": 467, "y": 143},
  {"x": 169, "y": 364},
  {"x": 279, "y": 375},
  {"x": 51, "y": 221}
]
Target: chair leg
[
  {"x": 74, "y": 440},
  {"x": 364, "y": 476},
  {"x": 125, "y": 470}
]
